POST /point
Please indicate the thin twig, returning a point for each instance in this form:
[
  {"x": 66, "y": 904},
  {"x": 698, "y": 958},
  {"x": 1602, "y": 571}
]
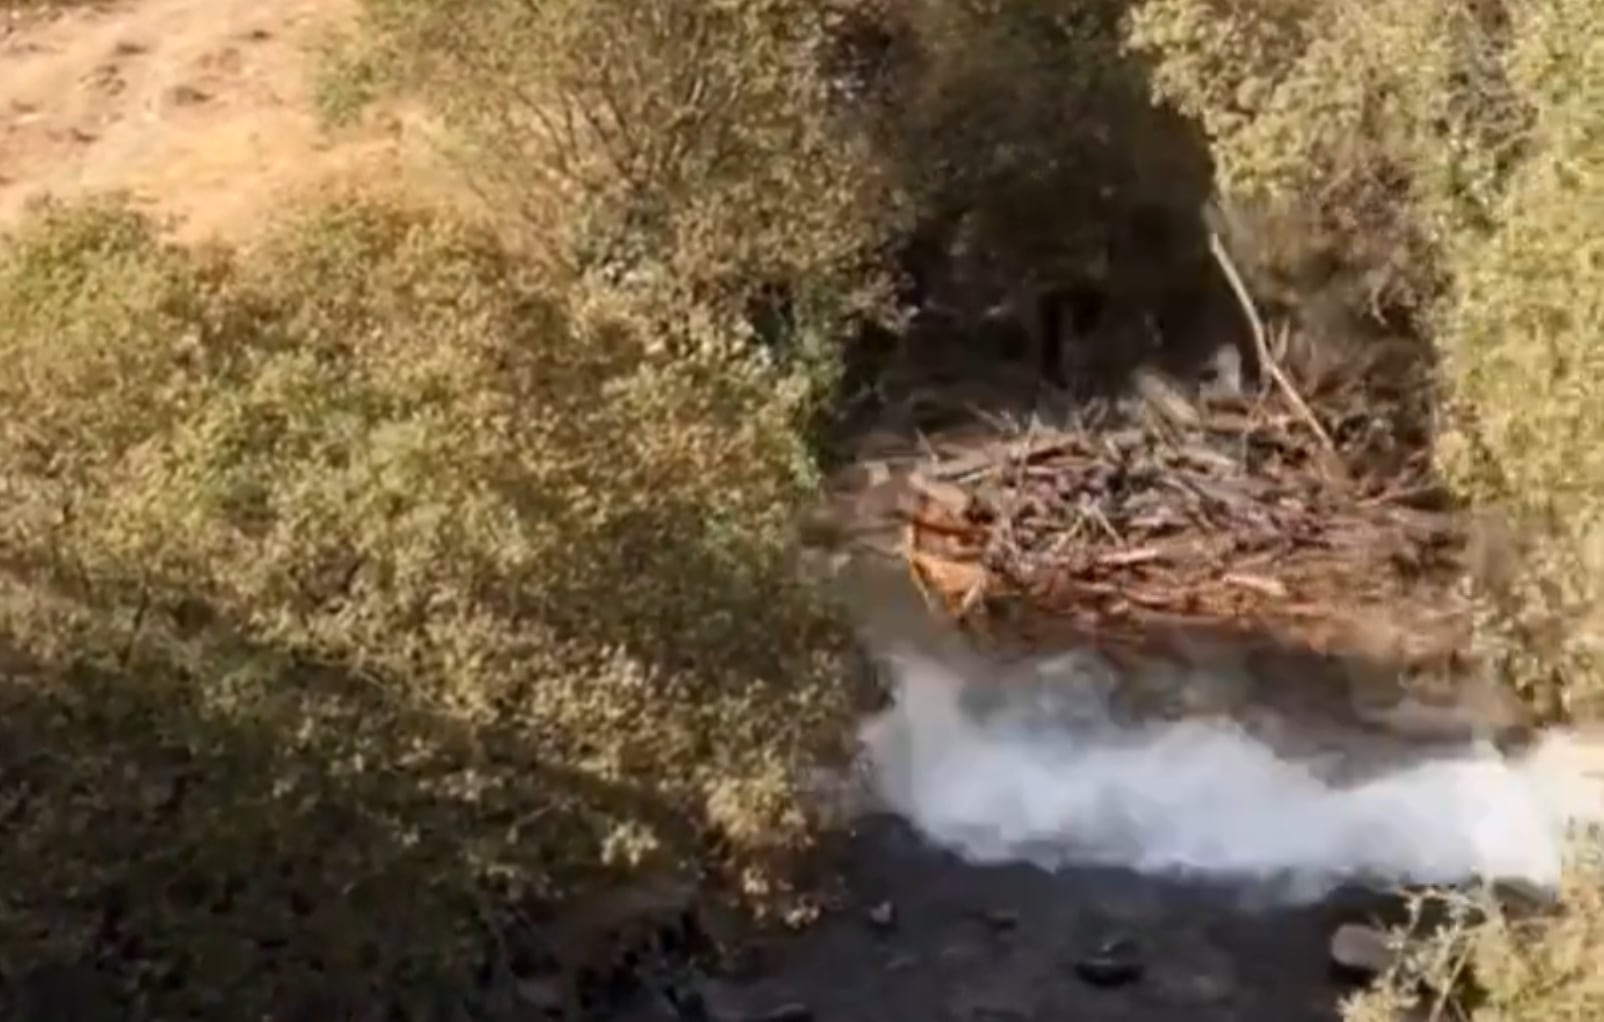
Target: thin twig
[
  {"x": 1261, "y": 342},
  {"x": 136, "y": 627},
  {"x": 1096, "y": 514},
  {"x": 1016, "y": 496},
  {"x": 910, "y": 544},
  {"x": 1442, "y": 1002}
]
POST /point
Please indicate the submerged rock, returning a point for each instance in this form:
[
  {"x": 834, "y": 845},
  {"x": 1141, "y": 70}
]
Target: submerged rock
[
  {"x": 1115, "y": 963},
  {"x": 1362, "y": 950},
  {"x": 883, "y": 916}
]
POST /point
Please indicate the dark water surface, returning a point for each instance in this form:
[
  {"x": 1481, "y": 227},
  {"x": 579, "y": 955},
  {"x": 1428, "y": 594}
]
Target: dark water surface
[{"x": 1010, "y": 944}]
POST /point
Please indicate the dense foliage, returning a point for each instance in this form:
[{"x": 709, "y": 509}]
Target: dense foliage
[
  {"x": 348, "y": 580},
  {"x": 1444, "y": 159}
]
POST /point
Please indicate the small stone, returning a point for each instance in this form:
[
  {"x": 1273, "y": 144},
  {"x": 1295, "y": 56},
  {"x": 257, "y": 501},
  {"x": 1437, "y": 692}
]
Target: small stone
[
  {"x": 1362, "y": 949},
  {"x": 883, "y": 916},
  {"x": 792, "y": 1011},
  {"x": 1001, "y": 919},
  {"x": 1115, "y": 963},
  {"x": 901, "y": 962}
]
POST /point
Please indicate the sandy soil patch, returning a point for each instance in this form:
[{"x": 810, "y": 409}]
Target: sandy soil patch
[{"x": 202, "y": 110}]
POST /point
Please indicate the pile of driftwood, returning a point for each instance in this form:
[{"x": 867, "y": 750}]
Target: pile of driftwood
[{"x": 1237, "y": 515}]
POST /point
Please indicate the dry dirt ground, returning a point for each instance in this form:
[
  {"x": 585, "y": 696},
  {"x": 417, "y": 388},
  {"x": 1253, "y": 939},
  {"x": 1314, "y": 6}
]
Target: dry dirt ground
[{"x": 201, "y": 110}]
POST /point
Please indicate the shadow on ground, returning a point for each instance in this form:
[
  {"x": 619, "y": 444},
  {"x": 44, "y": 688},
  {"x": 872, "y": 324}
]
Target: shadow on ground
[{"x": 182, "y": 841}]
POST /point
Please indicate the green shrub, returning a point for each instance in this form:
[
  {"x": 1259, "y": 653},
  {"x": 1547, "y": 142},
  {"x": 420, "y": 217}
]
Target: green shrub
[
  {"x": 1509, "y": 966},
  {"x": 1520, "y": 342},
  {"x": 1445, "y": 153},
  {"x": 1362, "y": 136},
  {"x": 353, "y": 591},
  {"x": 682, "y": 163},
  {"x": 1449, "y": 154},
  {"x": 751, "y": 169}
]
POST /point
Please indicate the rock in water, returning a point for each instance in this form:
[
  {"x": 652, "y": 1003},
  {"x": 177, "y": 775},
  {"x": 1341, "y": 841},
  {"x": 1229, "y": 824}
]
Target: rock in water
[
  {"x": 1115, "y": 963},
  {"x": 883, "y": 916},
  {"x": 1362, "y": 950}
]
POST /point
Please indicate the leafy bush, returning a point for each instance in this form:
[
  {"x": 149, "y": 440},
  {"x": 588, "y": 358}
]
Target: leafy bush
[
  {"x": 1457, "y": 184},
  {"x": 762, "y": 170},
  {"x": 1521, "y": 342},
  {"x": 682, "y": 163},
  {"x": 1449, "y": 154},
  {"x": 1506, "y": 965},
  {"x": 353, "y": 592},
  {"x": 1353, "y": 165}
]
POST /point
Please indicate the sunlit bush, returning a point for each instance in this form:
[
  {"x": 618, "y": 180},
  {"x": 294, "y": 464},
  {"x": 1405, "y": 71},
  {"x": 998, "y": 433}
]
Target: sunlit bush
[
  {"x": 1361, "y": 137},
  {"x": 1508, "y": 964},
  {"x": 348, "y": 580},
  {"x": 1448, "y": 154},
  {"x": 1444, "y": 155},
  {"x": 683, "y": 163},
  {"x": 758, "y": 169}
]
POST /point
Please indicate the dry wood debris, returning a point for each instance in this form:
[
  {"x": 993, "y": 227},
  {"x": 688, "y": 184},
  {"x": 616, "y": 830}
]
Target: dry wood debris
[{"x": 1239, "y": 518}]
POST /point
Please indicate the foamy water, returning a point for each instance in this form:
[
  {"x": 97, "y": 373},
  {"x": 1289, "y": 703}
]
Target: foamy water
[{"x": 1062, "y": 784}]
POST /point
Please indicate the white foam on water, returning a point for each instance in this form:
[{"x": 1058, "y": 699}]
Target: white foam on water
[{"x": 1063, "y": 784}]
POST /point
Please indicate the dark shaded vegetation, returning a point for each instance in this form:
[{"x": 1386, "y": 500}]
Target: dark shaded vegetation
[{"x": 345, "y": 506}]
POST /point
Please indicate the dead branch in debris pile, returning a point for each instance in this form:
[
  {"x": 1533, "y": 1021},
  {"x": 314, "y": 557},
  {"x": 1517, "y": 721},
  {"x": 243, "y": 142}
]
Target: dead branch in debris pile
[{"x": 1242, "y": 520}]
